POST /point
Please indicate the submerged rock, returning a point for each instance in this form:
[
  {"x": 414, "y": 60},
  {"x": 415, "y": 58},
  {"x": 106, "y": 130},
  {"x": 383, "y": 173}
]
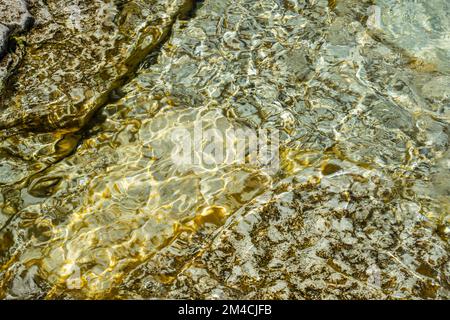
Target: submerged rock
[
  {"x": 424, "y": 21},
  {"x": 14, "y": 18},
  {"x": 352, "y": 210},
  {"x": 4, "y": 33},
  {"x": 77, "y": 54}
]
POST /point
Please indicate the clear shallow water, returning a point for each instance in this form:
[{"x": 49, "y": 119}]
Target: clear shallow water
[{"x": 93, "y": 205}]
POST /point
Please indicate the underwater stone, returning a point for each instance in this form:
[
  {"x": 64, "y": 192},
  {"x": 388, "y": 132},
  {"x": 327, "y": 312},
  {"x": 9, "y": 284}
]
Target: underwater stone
[
  {"x": 4, "y": 33},
  {"x": 14, "y": 18},
  {"x": 77, "y": 54},
  {"x": 354, "y": 211}
]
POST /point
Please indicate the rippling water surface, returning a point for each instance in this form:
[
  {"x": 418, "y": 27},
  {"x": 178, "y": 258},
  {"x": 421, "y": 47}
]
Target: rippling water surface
[{"x": 92, "y": 204}]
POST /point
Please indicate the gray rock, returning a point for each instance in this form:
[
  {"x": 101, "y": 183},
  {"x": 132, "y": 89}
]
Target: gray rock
[
  {"x": 14, "y": 18},
  {"x": 85, "y": 50},
  {"x": 4, "y": 34}
]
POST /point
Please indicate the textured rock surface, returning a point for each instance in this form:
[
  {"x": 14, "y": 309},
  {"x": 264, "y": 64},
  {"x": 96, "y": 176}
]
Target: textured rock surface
[
  {"x": 4, "y": 33},
  {"x": 358, "y": 208},
  {"x": 14, "y": 19},
  {"x": 72, "y": 62},
  {"x": 77, "y": 54}
]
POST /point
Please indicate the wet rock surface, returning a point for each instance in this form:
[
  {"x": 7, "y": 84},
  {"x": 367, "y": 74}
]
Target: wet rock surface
[
  {"x": 74, "y": 60},
  {"x": 77, "y": 54},
  {"x": 14, "y": 18},
  {"x": 358, "y": 207}
]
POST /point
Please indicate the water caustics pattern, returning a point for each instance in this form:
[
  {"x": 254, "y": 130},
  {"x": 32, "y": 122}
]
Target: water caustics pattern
[{"x": 92, "y": 205}]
